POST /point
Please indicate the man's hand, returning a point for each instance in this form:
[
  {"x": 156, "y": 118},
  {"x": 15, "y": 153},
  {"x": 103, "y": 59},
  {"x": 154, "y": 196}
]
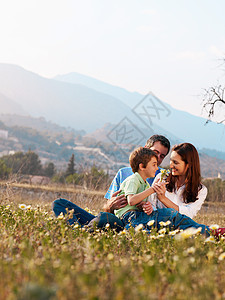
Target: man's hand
[
  {"x": 147, "y": 208},
  {"x": 115, "y": 202}
]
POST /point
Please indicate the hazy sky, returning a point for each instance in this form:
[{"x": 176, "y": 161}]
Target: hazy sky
[{"x": 170, "y": 47}]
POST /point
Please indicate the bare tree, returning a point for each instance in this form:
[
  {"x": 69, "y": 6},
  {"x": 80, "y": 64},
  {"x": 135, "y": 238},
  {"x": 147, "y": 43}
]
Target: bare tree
[{"x": 214, "y": 101}]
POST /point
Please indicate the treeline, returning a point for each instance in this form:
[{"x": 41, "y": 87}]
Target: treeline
[
  {"x": 90, "y": 178},
  {"x": 29, "y": 164},
  {"x": 24, "y": 164},
  {"x": 216, "y": 189}
]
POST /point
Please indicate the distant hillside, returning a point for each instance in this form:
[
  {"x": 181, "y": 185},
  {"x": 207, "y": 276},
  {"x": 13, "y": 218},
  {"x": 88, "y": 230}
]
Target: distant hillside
[
  {"x": 87, "y": 104},
  {"x": 159, "y": 117},
  {"x": 70, "y": 105},
  {"x": 39, "y": 124}
]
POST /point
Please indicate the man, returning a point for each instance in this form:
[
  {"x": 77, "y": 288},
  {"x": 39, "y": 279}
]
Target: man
[{"x": 161, "y": 146}]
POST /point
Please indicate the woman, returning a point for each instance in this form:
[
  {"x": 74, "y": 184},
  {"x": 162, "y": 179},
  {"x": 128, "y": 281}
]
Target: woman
[{"x": 183, "y": 190}]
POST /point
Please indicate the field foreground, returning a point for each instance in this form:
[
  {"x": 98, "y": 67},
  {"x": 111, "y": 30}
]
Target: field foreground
[{"x": 42, "y": 257}]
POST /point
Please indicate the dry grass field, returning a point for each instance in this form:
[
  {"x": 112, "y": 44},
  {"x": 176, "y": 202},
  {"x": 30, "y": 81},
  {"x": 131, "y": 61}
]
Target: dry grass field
[{"x": 42, "y": 257}]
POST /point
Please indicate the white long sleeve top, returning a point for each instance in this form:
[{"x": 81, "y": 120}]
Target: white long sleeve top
[{"x": 189, "y": 209}]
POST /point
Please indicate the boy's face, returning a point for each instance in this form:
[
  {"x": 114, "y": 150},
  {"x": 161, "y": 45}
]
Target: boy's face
[{"x": 151, "y": 168}]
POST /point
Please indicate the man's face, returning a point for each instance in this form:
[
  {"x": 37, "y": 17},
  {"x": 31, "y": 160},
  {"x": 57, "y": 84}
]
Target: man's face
[{"x": 160, "y": 150}]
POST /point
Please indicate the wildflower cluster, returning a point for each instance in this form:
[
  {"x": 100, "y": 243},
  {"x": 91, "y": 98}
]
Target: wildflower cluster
[{"x": 44, "y": 257}]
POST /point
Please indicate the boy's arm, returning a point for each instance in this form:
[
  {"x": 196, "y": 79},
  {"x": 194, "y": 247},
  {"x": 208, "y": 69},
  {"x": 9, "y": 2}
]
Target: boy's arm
[{"x": 137, "y": 198}]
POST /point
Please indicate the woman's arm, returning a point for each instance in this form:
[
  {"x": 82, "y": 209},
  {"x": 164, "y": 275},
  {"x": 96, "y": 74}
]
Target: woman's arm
[
  {"x": 160, "y": 189},
  {"x": 189, "y": 209}
]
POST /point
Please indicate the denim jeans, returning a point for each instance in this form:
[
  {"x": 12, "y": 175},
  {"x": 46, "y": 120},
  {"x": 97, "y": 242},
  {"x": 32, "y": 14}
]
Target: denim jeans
[
  {"x": 84, "y": 218},
  {"x": 134, "y": 218}
]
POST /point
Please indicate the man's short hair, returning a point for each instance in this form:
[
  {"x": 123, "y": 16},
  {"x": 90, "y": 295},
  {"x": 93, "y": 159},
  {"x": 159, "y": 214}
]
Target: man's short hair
[
  {"x": 158, "y": 138},
  {"x": 141, "y": 155}
]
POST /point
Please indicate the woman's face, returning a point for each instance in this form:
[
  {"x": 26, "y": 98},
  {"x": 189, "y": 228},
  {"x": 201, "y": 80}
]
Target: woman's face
[{"x": 177, "y": 165}]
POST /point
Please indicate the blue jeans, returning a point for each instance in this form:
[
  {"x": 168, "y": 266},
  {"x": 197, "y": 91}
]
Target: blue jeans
[
  {"x": 134, "y": 218},
  {"x": 84, "y": 218}
]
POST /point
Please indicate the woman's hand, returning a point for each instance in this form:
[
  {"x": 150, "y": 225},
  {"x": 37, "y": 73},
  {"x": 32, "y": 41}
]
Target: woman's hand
[
  {"x": 160, "y": 189},
  {"x": 147, "y": 208}
]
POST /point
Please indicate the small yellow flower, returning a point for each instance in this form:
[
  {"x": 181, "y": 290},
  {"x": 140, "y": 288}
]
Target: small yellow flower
[
  {"x": 222, "y": 256},
  {"x": 123, "y": 232},
  {"x": 23, "y": 206},
  {"x": 151, "y": 222},
  {"x": 164, "y": 173}
]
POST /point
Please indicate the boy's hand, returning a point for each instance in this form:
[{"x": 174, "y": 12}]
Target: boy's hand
[{"x": 147, "y": 208}]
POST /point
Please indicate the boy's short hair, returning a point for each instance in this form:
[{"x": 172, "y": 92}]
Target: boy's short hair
[{"x": 141, "y": 155}]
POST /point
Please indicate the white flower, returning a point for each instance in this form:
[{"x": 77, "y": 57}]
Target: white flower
[
  {"x": 192, "y": 260},
  {"x": 107, "y": 225},
  {"x": 160, "y": 236},
  {"x": 187, "y": 233},
  {"x": 61, "y": 216},
  {"x": 214, "y": 226},
  {"x": 210, "y": 239},
  {"x": 190, "y": 250},
  {"x": 123, "y": 232},
  {"x": 222, "y": 256},
  {"x": 139, "y": 227},
  {"x": 162, "y": 231},
  {"x": 176, "y": 258},
  {"x": 151, "y": 222},
  {"x": 110, "y": 256},
  {"x": 29, "y": 207},
  {"x": 23, "y": 206},
  {"x": 174, "y": 232},
  {"x": 164, "y": 223}
]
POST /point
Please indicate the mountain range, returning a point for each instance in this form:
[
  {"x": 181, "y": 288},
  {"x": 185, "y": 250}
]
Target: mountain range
[{"x": 84, "y": 103}]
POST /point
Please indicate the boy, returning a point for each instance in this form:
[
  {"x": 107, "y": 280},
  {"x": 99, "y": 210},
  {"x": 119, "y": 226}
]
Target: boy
[{"x": 144, "y": 163}]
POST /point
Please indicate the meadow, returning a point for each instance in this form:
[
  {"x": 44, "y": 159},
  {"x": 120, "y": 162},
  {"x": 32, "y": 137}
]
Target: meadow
[{"x": 42, "y": 257}]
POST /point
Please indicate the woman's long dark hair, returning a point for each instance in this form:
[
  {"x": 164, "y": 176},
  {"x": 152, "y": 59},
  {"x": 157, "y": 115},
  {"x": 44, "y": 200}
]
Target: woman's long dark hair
[{"x": 189, "y": 155}]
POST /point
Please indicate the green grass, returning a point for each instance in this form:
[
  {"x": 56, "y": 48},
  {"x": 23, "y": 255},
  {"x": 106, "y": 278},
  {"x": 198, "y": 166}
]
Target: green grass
[{"x": 42, "y": 257}]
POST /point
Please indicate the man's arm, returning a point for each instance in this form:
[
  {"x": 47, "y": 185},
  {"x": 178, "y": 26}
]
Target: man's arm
[{"x": 115, "y": 202}]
